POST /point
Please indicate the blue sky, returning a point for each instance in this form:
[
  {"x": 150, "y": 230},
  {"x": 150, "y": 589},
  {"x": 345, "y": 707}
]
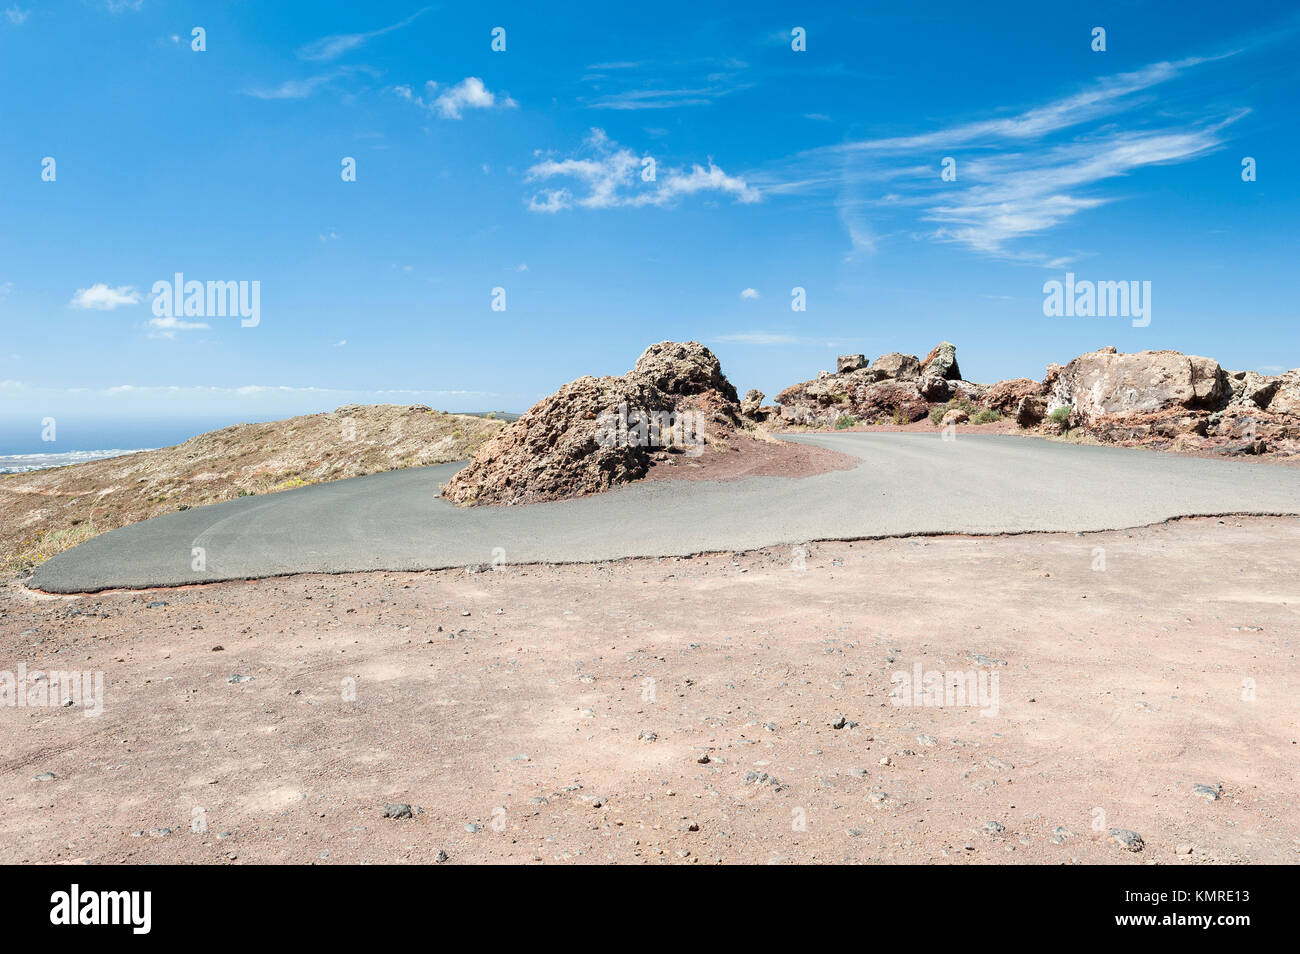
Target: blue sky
[{"x": 522, "y": 169}]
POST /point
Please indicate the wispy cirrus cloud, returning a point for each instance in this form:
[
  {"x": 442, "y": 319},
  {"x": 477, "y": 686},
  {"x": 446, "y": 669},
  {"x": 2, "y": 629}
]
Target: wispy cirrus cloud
[
  {"x": 608, "y": 176},
  {"x": 772, "y": 339},
  {"x": 1018, "y": 176},
  {"x": 330, "y": 48},
  {"x": 636, "y": 85},
  {"x": 290, "y": 89},
  {"x": 450, "y": 102}
]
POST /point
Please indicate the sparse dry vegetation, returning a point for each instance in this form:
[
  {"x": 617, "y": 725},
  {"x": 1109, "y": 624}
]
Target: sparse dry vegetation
[{"x": 45, "y": 512}]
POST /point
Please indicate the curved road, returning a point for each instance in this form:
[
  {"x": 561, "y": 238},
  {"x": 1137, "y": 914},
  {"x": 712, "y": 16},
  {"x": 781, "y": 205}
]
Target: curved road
[{"x": 906, "y": 484}]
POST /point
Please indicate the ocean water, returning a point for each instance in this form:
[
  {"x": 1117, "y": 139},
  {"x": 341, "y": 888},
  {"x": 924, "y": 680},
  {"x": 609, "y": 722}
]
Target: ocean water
[{"x": 22, "y": 463}]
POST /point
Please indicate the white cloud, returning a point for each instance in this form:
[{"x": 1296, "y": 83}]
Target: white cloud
[
  {"x": 332, "y": 47},
  {"x": 100, "y": 297},
  {"x": 167, "y": 327},
  {"x": 749, "y": 293},
  {"x": 613, "y": 177},
  {"x": 1018, "y": 176},
  {"x": 663, "y": 85},
  {"x": 452, "y": 101},
  {"x": 765, "y": 339},
  {"x": 16, "y": 15},
  {"x": 290, "y": 89}
]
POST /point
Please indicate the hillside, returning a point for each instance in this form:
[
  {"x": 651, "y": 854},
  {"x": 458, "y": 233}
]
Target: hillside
[{"x": 47, "y": 511}]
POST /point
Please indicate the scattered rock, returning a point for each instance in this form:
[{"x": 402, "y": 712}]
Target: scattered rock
[
  {"x": 1128, "y": 840},
  {"x": 398, "y": 810},
  {"x": 1211, "y": 793}
]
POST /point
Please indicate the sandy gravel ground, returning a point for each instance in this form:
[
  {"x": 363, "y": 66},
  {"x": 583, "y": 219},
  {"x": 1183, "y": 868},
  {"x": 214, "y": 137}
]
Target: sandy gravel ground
[{"x": 682, "y": 710}]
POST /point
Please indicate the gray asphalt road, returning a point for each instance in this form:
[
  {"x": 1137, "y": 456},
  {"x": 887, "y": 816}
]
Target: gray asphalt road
[{"x": 906, "y": 483}]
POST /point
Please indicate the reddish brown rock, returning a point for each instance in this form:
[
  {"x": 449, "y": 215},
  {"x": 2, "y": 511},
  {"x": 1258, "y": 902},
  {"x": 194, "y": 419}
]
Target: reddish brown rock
[
  {"x": 597, "y": 433},
  {"x": 1005, "y": 396}
]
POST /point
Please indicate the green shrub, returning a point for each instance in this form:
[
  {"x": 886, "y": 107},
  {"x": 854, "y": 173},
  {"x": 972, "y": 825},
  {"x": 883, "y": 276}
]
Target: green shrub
[
  {"x": 986, "y": 416},
  {"x": 845, "y": 420},
  {"x": 939, "y": 410},
  {"x": 1061, "y": 415}
]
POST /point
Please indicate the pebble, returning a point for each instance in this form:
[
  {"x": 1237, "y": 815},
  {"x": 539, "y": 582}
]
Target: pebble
[{"x": 398, "y": 810}]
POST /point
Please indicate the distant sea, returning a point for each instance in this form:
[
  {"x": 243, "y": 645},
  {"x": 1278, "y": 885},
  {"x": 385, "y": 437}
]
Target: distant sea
[{"x": 22, "y": 463}]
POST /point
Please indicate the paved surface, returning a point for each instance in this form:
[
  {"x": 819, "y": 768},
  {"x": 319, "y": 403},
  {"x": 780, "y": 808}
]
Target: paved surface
[{"x": 906, "y": 484}]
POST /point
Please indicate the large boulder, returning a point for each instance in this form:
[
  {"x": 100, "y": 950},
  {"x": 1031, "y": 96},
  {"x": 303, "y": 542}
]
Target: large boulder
[
  {"x": 596, "y": 433},
  {"x": 850, "y": 362},
  {"x": 888, "y": 399},
  {"x": 1107, "y": 383},
  {"x": 896, "y": 366},
  {"x": 1286, "y": 396},
  {"x": 941, "y": 362},
  {"x": 676, "y": 367},
  {"x": 1006, "y": 396}
]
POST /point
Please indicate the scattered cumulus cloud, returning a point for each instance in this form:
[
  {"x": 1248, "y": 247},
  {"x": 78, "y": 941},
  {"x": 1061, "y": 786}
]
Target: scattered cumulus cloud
[
  {"x": 100, "y": 297},
  {"x": 450, "y": 102},
  {"x": 609, "y": 176},
  {"x": 16, "y": 15},
  {"x": 750, "y": 293}
]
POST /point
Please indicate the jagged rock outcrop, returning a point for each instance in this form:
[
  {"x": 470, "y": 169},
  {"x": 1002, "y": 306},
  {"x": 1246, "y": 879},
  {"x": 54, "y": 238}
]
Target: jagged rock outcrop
[
  {"x": 1154, "y": 398},
  {"x": 1159, "y": 398},
  {"x": 597, "y": 433},
  {"x": 895, "y": 388},
  {"x": 1005, "y": 396},
  {"x": 850, "y": 362},
  {"x": 941, "y": 362}
]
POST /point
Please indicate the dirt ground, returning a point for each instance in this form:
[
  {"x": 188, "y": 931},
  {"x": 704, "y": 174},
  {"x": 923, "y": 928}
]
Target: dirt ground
[
  {"x": 745, "y": 456},
  {"x": 682, "y": 711}
]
